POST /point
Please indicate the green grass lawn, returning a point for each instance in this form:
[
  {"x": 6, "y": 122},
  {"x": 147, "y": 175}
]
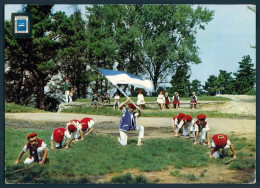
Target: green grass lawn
[
  {"x": 14, "y": 108},
  {"x": 153, "y": 99},
  {"x": 98, "y": 155},
  {"x": 108, "y": 111}
]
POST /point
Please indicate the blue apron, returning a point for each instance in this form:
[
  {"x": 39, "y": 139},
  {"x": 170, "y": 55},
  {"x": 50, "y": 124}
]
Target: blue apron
[{"x": 125, "y": 122}]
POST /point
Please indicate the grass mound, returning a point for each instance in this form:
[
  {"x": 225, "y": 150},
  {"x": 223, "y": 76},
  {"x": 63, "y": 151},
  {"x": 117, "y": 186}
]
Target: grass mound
[{"x": 15, "y": 108}]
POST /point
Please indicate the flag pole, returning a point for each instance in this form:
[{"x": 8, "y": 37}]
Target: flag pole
[{"x": 124, "y": 94}]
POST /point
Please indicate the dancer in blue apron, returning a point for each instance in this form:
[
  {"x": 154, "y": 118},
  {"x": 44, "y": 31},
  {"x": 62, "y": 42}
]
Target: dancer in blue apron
[{"x": 128, "y": 123}]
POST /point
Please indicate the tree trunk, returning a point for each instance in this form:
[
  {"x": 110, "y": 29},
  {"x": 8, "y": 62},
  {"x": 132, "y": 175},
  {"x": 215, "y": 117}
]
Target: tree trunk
[
  {"x": 40, "y": 95},
  {"x": 132, "y": 91}
]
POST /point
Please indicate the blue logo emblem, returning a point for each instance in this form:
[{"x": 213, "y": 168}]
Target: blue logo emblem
[{"x": 21, "y": 25}]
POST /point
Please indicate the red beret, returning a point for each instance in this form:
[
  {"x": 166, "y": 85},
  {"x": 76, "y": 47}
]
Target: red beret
[
  {"x": 84, "y": 126},
  {"x": 131, "y": 105},
  {"x": 31, "y": 135},
  {"x": 140, "y": 91},
  {"x": 161, "y": 91},
  {"x": 181, "y": 115},
  {"x": 58, "y": 136},
  {"x": 188, "y": 117},
  {"x": 67, "y": 78},
  {"x": 71, "y": 128},
  {"x": 201, "y": 116}
]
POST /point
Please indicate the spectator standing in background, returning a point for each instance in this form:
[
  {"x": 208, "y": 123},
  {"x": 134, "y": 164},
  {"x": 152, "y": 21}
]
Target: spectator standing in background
[{"x": 67, "y": 88}]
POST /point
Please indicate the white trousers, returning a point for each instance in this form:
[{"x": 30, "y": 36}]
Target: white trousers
[
  {"x": 124, "y": 135},
  {"x": 202, "y": 135},
  {"x": 68, "y": 97},
  {"x": 62, "y": 144},
  {"x": 31, "y": 160},
  {"x": 216, "y": 154}
]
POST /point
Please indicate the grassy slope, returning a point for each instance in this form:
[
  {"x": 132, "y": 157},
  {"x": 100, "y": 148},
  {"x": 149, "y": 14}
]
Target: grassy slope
[
  {"x": 14, "y": 108},
  {"x": 98, "y": 155},
  {"x": 153, "y": 99}
]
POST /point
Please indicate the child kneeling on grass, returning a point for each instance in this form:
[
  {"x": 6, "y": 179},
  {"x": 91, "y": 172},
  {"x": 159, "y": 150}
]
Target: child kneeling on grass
[
  {"x": 221, "y": 141},
  {"x": 37, "y": 149},
  {"x": 60, "y": 137},
  {"x": 87, "y": 125},
  {"x": 176, "y": 121},
  {"x": 77, "y": 134},
  {"x": 128, "y": 122},
  {"x": 186, "y": 125},
  {"x": 201, "y": 129}
]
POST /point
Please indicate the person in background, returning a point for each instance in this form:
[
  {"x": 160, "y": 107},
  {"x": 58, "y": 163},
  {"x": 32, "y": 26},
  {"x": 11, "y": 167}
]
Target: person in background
[
  {"x": 140, "y": 100},
  {"x": 37, "y": 149},
  {"x": 161, "y": 100},
  {"x": 67, "y": 88},
  {"x": 176, "y": 100},
  {"x": 107, "y": 99},
  {"x": 193, "y": 102},
  {"x": 117, "y": 101},
  {"x": 221, "y": 142},
  {"x": 95, "y": 100},
  {"x": 167, "y": 101}
]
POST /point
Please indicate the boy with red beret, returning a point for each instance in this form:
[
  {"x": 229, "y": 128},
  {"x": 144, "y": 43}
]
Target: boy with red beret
[
  {"x": 128, "y": 122},
  {"x": 201, "y": 129},
  {"x": 87, "y": 125},
  {"x": 186, "y": 125},
  {"x": 60, "y": 137},
  {"x": 77, "y": 134},
  {"x": 37, "y": 149},
  {"x": 176, "y": 120},
  {"x": 221, "y": 141}
]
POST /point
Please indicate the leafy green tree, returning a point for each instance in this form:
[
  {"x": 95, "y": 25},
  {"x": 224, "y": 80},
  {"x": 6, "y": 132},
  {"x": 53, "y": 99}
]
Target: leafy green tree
[
  {"x": 245, "y": 77},
  {"x": 211, "y": 85},
  {"x": 196, "y": 87},
  {"x": 225, "y": 82},
  {"x": 37, "y": 56},
  {"x": 72, "y": 36},
  {"x": 101, "y": 45},
  {"x": 169, "y": 37},
  {"x": 180, "y": 81}
]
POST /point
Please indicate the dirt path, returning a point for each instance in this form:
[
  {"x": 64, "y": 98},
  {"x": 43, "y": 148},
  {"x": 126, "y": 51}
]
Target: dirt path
[{"x": 154, "y": 127}]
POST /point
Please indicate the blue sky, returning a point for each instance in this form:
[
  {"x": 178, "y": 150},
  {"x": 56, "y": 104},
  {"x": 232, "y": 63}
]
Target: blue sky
[{"x": 223, "y": 43}]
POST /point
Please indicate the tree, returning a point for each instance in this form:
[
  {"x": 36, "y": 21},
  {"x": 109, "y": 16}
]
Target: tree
[
  {"x": 211, "y": 85},
  {"x": 71, "y": 34},
  {"x": 180, "y": 81},
  {"x": 196, "y": 86},
  {"x": 245, "y": 77},
  {"x": 36, "y": 56},
  {"x": 169, "y": 40},
  {"x": 101, "y": 45},
  {"x": 225, "y": 82}
]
